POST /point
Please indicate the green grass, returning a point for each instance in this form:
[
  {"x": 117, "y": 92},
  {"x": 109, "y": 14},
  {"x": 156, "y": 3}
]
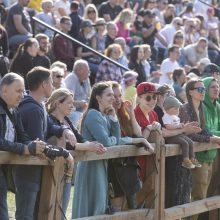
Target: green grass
[{"x": 11, "y": 206}]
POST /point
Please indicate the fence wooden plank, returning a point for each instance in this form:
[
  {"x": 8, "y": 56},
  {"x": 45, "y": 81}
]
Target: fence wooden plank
[
  {"x": 112, "y": 152},
  {"x": 11, "y": 158},
  {"x": 139, "y": 214},
  {"x": 174, "y": 149},
  {"x": 192, "y": 208}
]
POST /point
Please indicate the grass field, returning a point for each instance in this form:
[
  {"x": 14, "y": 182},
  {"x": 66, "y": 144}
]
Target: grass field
[{"x": 11, "y": 206}]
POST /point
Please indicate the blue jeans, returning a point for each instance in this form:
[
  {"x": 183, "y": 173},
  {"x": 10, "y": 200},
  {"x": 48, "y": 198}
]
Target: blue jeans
[
  {"x": 3, "y": 197},
  {"x": 27, "y": 182}
]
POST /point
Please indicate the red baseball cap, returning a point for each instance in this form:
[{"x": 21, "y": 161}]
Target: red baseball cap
[{"x": 146, "y": 87}]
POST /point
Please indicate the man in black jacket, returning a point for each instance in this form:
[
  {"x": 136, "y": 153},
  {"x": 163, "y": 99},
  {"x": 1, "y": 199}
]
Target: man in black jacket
[{"x": 12, "y": 135}]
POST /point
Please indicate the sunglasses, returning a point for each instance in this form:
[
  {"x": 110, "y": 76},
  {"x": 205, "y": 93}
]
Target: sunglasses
[
  {"x": 200, "y": 89},
  {"x": 178, "y": 36},
  {"x": 148, "y": 98},
  {"x": 92, "y": 11},
  {"x": 59, "y": 76},
  {"x": 179, "y": 24}
]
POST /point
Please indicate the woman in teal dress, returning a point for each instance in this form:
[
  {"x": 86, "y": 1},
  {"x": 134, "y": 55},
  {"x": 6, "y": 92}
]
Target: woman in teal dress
[{"x": 100, "y": 124}]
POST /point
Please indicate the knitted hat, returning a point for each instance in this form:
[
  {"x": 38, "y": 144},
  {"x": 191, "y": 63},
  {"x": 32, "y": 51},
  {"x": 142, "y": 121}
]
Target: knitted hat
[{"x": 171, "y": 101}]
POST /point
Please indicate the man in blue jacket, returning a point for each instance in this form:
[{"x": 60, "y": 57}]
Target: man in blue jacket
[{"x": 36, "y": 124}]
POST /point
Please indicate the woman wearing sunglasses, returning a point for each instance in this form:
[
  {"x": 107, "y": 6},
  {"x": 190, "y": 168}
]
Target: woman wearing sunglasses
[
  {"x": 193, "y": 111},
  {"x": 148, "y": 120},
  {"x": 201, "y": 178}
]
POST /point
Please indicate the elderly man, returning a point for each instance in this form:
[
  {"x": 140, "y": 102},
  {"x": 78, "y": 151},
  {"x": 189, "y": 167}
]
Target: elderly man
[
  {"x": 78, "y": 82},
  {"x": 195, "y": 52}
]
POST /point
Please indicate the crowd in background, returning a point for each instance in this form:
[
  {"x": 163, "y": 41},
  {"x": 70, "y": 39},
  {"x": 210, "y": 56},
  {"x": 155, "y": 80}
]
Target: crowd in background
[{"x": 170, "y": 50}]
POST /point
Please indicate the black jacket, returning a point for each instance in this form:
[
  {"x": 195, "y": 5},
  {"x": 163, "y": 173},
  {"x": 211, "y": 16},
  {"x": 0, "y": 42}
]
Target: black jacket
[{"x": 21, "y": 138}]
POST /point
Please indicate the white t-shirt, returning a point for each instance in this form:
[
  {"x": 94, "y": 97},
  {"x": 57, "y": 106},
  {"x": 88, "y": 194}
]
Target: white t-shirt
[
  {"x": 61, "y": 4},
  {"x": 170, "y": 119},
  {"x": 166, "y": 67}
]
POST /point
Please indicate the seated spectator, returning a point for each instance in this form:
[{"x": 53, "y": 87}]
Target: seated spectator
[
  {"x": 107, "y": 70},
  {"x": 42, "y": 59},
  {"x": 212, "y": 70},
  {"x": 98, "y": 39},
  {"x": 109, "y": 10},
  {"x": 61, "y": 8},
  {"x": 123, "y": 60},
  {"x": 191, "y": 35},
  {"x": 63, "y": 49},
  {"x": 76, "y": 19},
  {"x": 59, "y": 106},
  {"x": 85, "y": 37},
  {"x": 100, "y": 124},
  {"x": 135, "y": 63},
  {"x": 18, "y": 24},
  {"x": 129, "y": 83},
  {"x": 46, "y": 16},
  {"x": 179, "y": 79},
  {"x": 123, "y": 20},
  {"x": 78, "y": 83},
  {"x": 57, "y": 75},
  {"x": 150, "y": 32},
  {"x": 23, "y": 60},
  {"x": 194, "y": 52},
  {"x": 169, "y": 65},
  {"x": 167, "y": 32},
  {"x": 112, "y": 31},
  {"x": 60, "y": 65},
  {"x": 202, "y": 65},
  {"x": 169, "y": 13}
]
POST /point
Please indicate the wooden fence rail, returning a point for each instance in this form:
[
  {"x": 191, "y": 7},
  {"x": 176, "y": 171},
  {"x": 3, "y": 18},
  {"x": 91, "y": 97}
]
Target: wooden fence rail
[{"x": 52, "y": 184}]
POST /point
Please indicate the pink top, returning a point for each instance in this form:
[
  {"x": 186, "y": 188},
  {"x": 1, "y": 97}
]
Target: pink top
[{"x": 122, "y": 32}]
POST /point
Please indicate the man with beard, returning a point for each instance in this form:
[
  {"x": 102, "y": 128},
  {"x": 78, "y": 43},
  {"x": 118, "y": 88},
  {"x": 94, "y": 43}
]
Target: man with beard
[
  {"x": 42, "y": 59},
  {"x": 37, "y": 125}
]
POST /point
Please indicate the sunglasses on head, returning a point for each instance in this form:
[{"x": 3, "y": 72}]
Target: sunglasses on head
[
  {"x": 178, "y": 36},
  {"x": 200, "y": 89},
  {"x": 149, "y": 97}
]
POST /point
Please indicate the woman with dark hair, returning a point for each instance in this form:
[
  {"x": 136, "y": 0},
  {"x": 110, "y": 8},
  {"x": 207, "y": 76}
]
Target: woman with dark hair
[
  {"x": 23, "y": 60},
  {"x": 100, "y": 123},
  {"x": 135, "y": 63},
  {"x": 179, "y": 78},
  {"x": 193, "y": 112}
]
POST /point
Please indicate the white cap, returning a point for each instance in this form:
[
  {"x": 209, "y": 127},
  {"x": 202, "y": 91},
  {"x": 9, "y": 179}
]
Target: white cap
[{"x": 205, "y": 61}]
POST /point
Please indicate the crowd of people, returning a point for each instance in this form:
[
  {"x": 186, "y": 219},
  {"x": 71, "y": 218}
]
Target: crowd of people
[{"x": 170, "y": 82}]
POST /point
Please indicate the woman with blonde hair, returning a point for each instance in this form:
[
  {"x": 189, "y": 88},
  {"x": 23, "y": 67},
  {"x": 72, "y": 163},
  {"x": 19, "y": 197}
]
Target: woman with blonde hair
[
  {"x": 59, "y": 106},
  {"x": 107, "y": 70},
  {"x": 91, "y": 13},
  {"x": 122, "y": 21}
]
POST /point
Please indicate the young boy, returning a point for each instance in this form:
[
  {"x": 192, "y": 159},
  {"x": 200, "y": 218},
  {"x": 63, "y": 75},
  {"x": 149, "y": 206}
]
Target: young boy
[{"x": 172, "y": 121}]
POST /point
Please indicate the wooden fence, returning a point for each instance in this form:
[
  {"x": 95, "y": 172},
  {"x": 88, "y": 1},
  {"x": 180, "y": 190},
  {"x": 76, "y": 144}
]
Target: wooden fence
[{"x": 52, "y": 183}]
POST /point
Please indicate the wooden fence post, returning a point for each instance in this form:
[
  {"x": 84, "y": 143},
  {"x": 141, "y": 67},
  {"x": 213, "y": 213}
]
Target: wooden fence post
[
  {"x": 52, "y": 188},
  {"x": 159, "y": 213}
]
